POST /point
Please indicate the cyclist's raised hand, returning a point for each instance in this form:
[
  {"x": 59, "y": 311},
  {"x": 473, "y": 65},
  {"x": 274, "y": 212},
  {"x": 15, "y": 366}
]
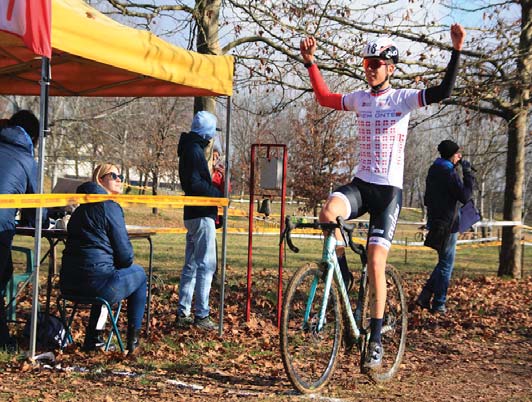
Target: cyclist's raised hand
[
  {"x": 458, "y": 35},
  {"x": 307, "y": 47}
]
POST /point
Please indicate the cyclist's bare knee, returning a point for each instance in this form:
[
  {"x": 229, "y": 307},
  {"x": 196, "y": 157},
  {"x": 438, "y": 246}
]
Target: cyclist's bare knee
[
  {"x": 377, "y": 255},
  {"x": 334, "y": 207}
]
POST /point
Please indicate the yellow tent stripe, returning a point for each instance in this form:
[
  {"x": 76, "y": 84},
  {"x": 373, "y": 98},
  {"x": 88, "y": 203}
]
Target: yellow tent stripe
[
  {"x": 60, "y": 200},
  {"x": 79, "y": 29}
]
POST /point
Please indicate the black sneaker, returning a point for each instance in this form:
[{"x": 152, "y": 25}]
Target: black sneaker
[
  {"x": 93, "y": 341},
  {"x": 441, "y": 309},
  {"x": 374, "y": 355},
  {"x": 425, "y": 305},
  {"x": 205, "y": 323},
  {"x": 9, "y": 345},
  {"x": 183, "y": 321}
]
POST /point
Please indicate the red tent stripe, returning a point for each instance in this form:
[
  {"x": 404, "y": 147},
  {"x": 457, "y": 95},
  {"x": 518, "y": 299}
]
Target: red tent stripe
[
  {"x": 38, "y": 27},
  {"x": 31, "y": 21}
]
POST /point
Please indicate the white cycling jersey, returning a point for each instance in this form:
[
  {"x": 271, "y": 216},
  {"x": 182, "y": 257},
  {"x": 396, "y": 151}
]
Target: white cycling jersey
[{"x": 382, "y": 129}]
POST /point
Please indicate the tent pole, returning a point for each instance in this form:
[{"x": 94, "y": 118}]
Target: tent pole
[
  {"x": 226, "y": 194},
  {"x": 43, "y": 129}
]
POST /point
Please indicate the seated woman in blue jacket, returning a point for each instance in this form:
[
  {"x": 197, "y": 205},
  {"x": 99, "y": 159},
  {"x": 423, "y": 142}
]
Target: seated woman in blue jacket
[{"x": 98, "y": 257}]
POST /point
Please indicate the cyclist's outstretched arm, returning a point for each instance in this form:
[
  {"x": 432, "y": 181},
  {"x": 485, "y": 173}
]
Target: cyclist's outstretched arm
[
  {"x": 324, "y": 96},
  {"x": 443, "y": 91}
]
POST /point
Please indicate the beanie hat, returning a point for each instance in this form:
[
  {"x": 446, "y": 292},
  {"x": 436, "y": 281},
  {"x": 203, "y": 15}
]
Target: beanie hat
[
  {"x": 204, "y": 124},
  {"x": 27, "y": 120},
  {"x": 448, "y": 148}
]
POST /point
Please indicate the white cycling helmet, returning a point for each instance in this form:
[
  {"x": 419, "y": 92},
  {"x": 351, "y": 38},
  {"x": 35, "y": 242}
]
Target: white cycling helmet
[{"x": 382, "y": 48}]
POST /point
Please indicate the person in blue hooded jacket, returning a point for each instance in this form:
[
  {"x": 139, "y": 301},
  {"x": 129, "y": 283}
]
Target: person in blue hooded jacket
[
  {"x": 444, "y": 189},
  {"x": 19, "y": 176},
  {"x": 200, "y": 250},
  {"x": 98, "y": 257}
]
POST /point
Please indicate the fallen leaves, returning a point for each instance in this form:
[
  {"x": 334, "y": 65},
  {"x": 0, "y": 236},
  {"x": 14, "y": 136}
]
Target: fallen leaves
[{"x": 480, "y": 345}]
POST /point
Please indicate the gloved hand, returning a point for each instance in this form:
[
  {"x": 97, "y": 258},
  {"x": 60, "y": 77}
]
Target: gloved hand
[{"x": 466, "y": 166}]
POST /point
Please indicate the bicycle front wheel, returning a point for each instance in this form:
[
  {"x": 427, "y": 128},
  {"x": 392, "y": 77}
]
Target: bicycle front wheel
[
  {"x": 309, "y": 353},
  {"x": 394, "y": 326}
]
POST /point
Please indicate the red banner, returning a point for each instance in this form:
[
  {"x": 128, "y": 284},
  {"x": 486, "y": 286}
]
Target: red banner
[{"x": 31, "y": 20}]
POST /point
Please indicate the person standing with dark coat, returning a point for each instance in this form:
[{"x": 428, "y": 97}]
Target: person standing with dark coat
[
  {"x": 98, "y": 257},
  {"x": 444, "y": 189},
  {"x": 200, "y": 251},
  {"x": 19, "y": 176}
]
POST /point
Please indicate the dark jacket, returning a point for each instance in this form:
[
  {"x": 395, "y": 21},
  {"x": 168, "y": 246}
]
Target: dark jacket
[
  {"x": 19, "y": 175},
  {"x": 443, "y": 191},
  {"x": 97, "y": 241},
  {"x": 194, "y": 174}
]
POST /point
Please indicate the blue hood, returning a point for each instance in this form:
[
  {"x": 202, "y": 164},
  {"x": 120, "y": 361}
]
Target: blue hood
[
  {"x": 90, "y": 187},
  {"x": 18, "y": 137},
  {"x": 204, "y": 124}
]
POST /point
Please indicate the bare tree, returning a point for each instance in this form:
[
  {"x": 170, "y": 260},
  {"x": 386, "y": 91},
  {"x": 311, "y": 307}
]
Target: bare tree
[
  {"x": 495, "y": 77},
  {"x": 154, "y": 128},
  {"x": 324, "y": 147}
]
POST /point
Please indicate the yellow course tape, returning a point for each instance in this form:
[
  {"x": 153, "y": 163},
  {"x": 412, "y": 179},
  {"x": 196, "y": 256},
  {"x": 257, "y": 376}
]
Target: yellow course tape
[{"x": 60, "y": 200}]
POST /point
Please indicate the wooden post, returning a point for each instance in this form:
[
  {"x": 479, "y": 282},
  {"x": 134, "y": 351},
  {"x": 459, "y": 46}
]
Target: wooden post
[
  {"x": 406, "y": 250},
  {"x": 522, "y": 256}
]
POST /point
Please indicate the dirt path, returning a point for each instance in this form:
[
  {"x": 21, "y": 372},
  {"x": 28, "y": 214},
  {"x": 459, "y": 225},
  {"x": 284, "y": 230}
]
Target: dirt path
[{"x": 480, "y": 351}]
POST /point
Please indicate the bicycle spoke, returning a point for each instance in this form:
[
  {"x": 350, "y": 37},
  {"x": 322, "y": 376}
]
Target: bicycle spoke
[{"x": 309, "y": 354}]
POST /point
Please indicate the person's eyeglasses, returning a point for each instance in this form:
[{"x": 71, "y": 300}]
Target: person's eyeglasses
[
  {"x": 114, "y": 176},
  {"x": 374, "y": 64}
]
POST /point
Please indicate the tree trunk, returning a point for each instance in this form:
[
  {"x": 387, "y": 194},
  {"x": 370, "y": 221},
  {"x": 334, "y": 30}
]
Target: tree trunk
[
  {"x": 510, "y": 257},
  {"x": 207, "y": 20},
  {"x": 154, "y": 189}
]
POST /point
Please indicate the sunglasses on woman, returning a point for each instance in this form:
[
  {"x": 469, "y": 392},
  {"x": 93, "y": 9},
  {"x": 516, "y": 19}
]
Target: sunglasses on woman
[
  {"x": 374, "y": 64},
  {"x": 114, "y": 176}
]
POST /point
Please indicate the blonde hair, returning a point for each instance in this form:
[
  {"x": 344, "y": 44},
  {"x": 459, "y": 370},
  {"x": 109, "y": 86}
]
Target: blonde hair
[{"x": 102, "y": 170}]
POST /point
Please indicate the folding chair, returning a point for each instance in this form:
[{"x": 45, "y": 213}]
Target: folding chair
[
  {"x": 12, "y": 289},
  {"x": 75, "y": 301}
]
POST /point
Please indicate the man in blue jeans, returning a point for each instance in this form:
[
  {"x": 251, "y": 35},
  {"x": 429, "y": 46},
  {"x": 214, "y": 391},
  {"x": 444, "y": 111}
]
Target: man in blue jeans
[
  {"x": 443, "y": 191},
  {"x": 200, "y": 251}
]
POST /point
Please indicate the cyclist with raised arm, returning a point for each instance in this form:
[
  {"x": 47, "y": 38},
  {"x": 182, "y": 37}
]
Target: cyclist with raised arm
[{"x": 383, "y": 114}]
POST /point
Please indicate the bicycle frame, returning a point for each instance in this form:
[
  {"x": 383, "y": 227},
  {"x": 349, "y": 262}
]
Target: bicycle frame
[{"x": 330, "y": 260}]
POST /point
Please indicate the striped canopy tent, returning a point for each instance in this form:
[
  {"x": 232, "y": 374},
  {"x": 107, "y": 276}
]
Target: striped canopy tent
[{"x": 67, "y": 48}]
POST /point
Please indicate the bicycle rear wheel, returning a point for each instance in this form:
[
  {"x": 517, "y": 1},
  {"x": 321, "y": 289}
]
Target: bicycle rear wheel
[
  {"x": 394, "y": 326},
  {"x": 309, "y": 354}
]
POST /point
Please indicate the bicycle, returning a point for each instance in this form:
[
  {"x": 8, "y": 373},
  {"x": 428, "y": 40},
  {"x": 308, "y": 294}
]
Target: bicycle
[
  {"x": 422, "y": 234},
  {"x": 316, "y": 306}
]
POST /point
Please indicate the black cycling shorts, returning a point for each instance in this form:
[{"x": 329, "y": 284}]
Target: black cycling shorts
[{"x": 383, "y": 204}]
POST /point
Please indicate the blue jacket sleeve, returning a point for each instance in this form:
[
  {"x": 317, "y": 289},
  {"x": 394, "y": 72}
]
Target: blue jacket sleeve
[
  {"x": 117, "y": 232},
  {"x": 462, "y": 190},
  {"x": 28, "y": 214}
]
